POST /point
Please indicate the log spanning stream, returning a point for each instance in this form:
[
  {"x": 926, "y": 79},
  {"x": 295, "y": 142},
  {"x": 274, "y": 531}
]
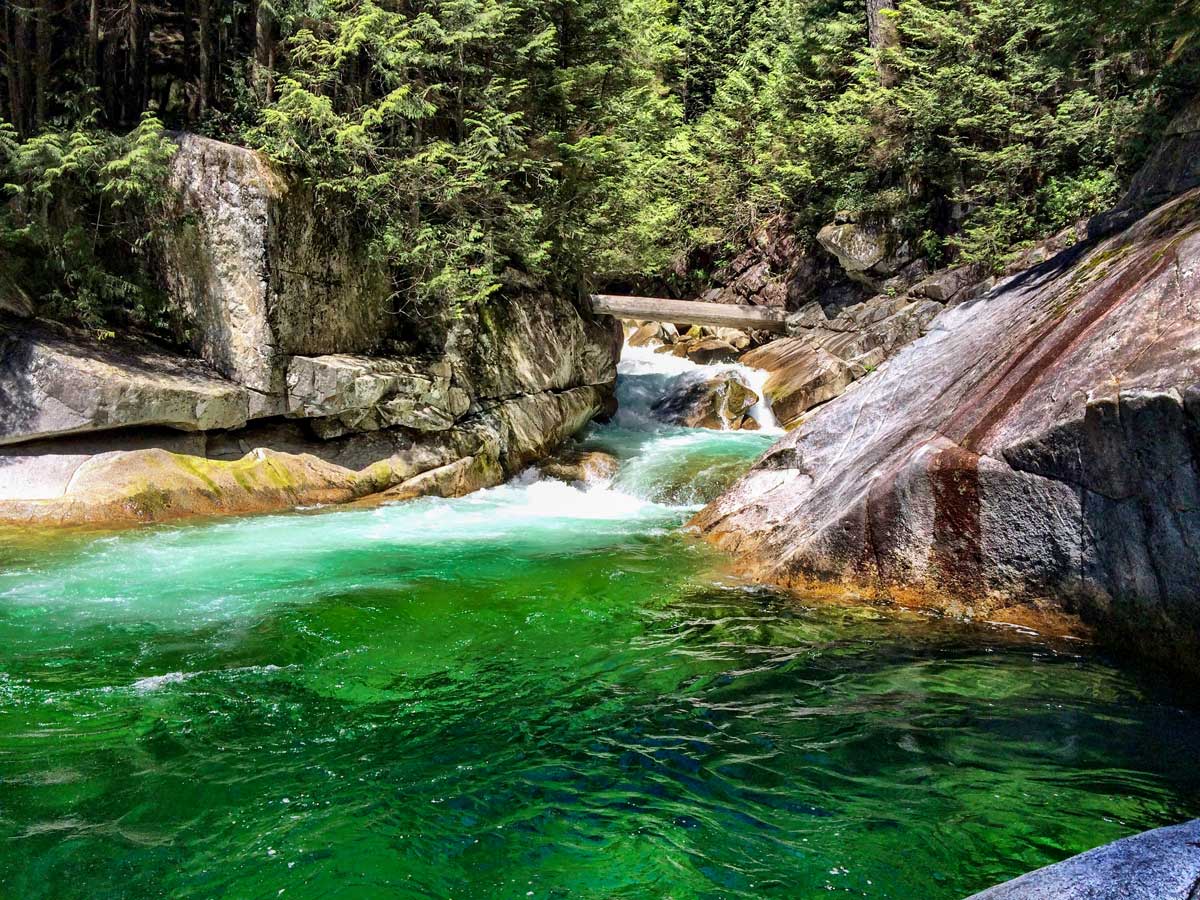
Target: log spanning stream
[{"x": 539, "y": 690}]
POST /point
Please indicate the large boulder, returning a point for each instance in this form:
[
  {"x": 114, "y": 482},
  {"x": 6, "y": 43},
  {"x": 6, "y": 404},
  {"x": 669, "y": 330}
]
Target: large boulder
[
  {"x": 526, "y": 340},
  {"x": 721, "y": 401},
  {"x": 586, "y": 466},
  {"x": 1163, "y": 864},
  {"x": 1037, "y": 452},
  {"x": 258, "y": 273},
  {"x": 58, "y": 381},
  {"x": 343, "y": 394},
  {"x": 822, "y": 357},
  {"x": 802, "y": 376},
  {"x": 869, "y": 251}
]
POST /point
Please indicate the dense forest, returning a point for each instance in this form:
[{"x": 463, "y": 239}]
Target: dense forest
[{"x": 581, "y": 141}]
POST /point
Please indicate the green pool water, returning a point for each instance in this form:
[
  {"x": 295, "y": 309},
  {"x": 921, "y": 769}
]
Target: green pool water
[{"x": 536, "y": 691}]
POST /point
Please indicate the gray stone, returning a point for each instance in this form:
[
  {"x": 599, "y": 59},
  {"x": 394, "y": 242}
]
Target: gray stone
[
  {"x": 1035, "y": 453},
  {"x": 586, "y": 466},
  {"x": 259, "y": 273},
  {"x": 57, "y": 382},
  {"x": 1163, "y": 864},
  {"x": 868, "y": 251},
  {"x": 943, "y": 285},
  {"x": 345, "y": 394},
  {"x": 215, "y": 265},
  {"x": 811, "y": 315},
  {"x": 129, "y": 478}
]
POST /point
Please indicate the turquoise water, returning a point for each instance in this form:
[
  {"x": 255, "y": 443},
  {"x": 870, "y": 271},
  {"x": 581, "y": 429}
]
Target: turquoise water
[{"x": 536, "y": 691}]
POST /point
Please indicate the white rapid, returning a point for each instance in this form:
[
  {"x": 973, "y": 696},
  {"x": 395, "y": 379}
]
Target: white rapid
[{"x": 666, "y": 472}]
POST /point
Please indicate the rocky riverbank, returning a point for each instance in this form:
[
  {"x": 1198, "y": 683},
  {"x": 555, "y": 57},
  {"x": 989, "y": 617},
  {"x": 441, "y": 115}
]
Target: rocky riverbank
[
  {"x": 303, "y": 385},
  {"x": 1033, "y": 455}
]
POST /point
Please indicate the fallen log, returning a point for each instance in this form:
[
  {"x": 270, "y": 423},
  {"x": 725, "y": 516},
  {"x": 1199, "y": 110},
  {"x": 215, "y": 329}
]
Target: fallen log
[{"x": 690, "y": 312}]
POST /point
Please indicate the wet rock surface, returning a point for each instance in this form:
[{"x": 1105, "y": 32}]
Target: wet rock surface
[
  {"x": 721, "y": 401},
  {"x": 1163, "y": 864},
  {"x": 1035, "y": 450},
  {"x": 586, "y": 466}
]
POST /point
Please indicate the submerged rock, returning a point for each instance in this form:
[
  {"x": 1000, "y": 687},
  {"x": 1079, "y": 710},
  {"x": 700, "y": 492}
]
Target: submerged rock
[
  {"x": 721, "y": 401},
  {"x": 1163, "y": 864},
  {"x": 588, "y": 466},
  {"x": 1037, "y": 451}
]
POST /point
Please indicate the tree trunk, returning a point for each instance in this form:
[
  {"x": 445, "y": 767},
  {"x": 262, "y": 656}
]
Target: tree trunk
[
  {"x": 42, "y": 64},
  {"x": 18, "y": 68},
  {"x": 203, "y": 38},
  {"x": 882, "y": 35},
  {"x": 93, "y": 45},
  {"x": 131, "y": 104},
  {"x": 264, "y": 49}
]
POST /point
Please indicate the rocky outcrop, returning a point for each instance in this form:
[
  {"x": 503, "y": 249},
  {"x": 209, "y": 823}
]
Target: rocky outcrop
[
  {"x": 721, "y": 401},
  {"x": 1037, "y": 450},
  {"x": 343, "y": 394},
  {"x": 824, "y": 356},
  {"x": 581, "y": 466},
  {"x": 1163, "y": 864},
  {"x": 259, "y": 273},
  {"x": 867, "y": 250},
  {"x": 309, "y": 388},
  {"x": 1173, "y": 167},
  {"x": 55, "y": 381},
  {"x": 780, "y": 271},
  {"x": 803, "y": 375}
]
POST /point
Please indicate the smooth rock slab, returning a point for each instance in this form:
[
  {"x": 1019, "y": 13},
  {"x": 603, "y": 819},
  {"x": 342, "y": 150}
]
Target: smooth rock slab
[
  {"x": 54, "y": 383},
  {"x": 272, "y": 467},
  {"x": 1163, "y": 864}
]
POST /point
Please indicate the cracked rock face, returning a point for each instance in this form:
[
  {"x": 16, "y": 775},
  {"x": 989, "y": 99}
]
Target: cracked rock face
[
  {"x": 1037, "y": 449},
  {"x": 260, "y": 273}
]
